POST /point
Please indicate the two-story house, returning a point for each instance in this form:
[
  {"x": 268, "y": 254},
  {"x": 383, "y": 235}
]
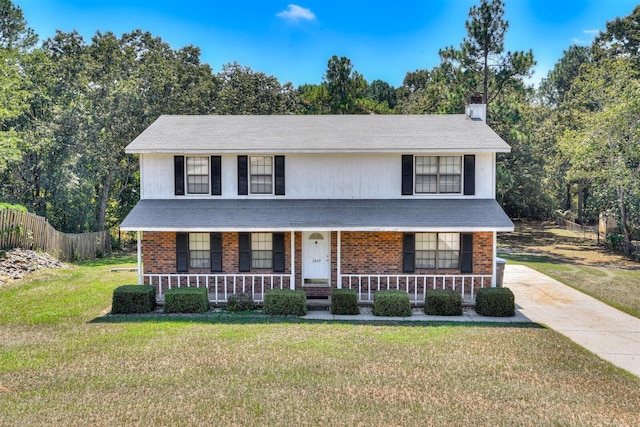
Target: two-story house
[{"x": 368, "y": 202}]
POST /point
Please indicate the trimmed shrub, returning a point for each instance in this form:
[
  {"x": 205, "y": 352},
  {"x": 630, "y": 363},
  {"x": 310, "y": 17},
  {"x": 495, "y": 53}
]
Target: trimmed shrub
[
  {"x": 443, "y": 302},
  {"x": 240, "y": 302},
  {"x": 391, "y": 303},
  {"x": 283, "y": 302},
  {"x": 344, "y": 301},
  {"x": 186, "y": 300},
  {"x": 496, "y": 302},
  {"x": 133, "y": 299}
]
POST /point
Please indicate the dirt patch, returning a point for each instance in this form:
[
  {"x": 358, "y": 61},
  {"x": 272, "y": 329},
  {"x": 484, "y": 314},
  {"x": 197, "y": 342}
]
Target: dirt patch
[{"x": 17, "y": 263}]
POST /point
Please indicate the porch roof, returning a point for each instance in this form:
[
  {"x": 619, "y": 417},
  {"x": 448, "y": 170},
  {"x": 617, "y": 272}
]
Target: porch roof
[{"x": 404, "y": 215}]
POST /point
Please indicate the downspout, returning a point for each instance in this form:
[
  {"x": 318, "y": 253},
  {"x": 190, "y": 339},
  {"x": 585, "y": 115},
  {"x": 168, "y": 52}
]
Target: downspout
[{"x": 495, "y": 254}]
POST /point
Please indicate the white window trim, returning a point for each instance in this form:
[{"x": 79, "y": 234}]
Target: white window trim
[
  {"x": 438, "y": 193},
  {"x": 273, "y": 178},
  {"x": 186, "y": 176},
  {"x": 437, "y": 250}
]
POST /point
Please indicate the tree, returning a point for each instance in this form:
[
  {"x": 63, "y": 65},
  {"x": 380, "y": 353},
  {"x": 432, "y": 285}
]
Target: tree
[
  {"x": 621, "y": 39},
  {"x": 605, "y": 150},
  {"x": 381, "y": 92},
  {"x": 481, "y": 65},
  {"x": 244, "y": 91},
  {"x": 554, "y": 88},
  {"x": 344, "y": 85}
]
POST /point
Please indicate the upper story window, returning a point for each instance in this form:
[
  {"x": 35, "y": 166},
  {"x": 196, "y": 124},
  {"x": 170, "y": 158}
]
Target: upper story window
[
  {"x": 261, "y": 174},
  {"x": 197, "y": 175},
  {"x": 438, "y": 174}
]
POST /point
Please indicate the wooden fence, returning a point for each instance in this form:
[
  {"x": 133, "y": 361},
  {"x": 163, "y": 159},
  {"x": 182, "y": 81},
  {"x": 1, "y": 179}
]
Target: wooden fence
[{"x": 24, "y": 230}]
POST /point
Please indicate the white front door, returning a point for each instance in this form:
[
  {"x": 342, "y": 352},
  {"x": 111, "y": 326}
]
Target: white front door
[{"x": 316, "y": 258}]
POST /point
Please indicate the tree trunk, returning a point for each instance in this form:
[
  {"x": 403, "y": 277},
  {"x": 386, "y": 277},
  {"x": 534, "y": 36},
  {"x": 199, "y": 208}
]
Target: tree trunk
[{"x": 624, "y": 222}]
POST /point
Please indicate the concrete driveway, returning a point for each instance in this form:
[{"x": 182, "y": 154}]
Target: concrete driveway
[{"x": 598, "y": 327}]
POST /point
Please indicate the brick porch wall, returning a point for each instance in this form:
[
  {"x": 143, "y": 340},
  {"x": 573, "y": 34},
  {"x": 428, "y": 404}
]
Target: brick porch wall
[{"x": 362, "y": 253}]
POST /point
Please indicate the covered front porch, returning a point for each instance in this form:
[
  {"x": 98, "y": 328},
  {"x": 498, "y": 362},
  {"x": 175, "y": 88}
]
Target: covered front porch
[
  {"x": 319, "y": 245},
  {"x": 220, "y": 286}
]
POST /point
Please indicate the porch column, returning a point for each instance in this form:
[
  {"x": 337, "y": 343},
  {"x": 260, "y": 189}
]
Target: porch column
[
  {"x": 292, "y": 281},
  {"x": 338, "y": 266},
  {"x": 495, "y": 254},
  {"x": 139, "y": 259}
]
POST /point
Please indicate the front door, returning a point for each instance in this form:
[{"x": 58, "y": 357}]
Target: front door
[{"x": 316, "y": 256}]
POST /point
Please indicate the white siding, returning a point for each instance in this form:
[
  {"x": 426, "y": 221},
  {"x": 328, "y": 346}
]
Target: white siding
[{"x": 317, "y": 176}]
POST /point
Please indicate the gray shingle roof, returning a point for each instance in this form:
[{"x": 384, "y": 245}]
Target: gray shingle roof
[
  {"x": 320, "y": 133},
  {"x": 299, "y": 215}
]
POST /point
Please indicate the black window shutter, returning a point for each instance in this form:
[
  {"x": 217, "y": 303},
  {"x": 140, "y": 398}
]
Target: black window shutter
[
  {"x": 182, "y": 252},
  {"x": 243, "y": 176},
  {"x": 466, "y": 263},
  {"x": 409, "y": 253},
  {"x": 407, "y": 175},
  {"x": 278, "y": 252},
  {"x": 216, "y": 175},
  {"x": 244, "y": 249},
  {"x": 279, "y": 172},
  {"x": 469, "y": 175},
  {"x": 216, "y": 251},
  {"x": 178, "y": 170}
]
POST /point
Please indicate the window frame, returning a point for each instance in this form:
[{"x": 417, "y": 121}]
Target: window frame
[
  {"x": 187, "y": 175},
  {"x": 439, "y": 251},
  {"x": 266, "y": 257},
  {"x": 438, "y": 174},
  {"x": 250, "y": 175},
  {"x": 205, "y": 240}
]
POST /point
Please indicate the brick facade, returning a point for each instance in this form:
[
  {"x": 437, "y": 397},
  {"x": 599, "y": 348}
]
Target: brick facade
[{"x": 362, "y": 253}]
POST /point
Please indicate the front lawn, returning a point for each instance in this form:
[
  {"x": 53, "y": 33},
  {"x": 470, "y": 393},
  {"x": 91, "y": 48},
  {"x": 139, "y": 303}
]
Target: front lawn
[{"x": 58, "y": 367}]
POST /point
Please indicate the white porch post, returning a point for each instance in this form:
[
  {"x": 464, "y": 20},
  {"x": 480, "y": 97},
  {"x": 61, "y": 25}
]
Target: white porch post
[
  {"x": 495, "y": 254},
  {"x": 139, "y": 259},
  {"x": 292, "y": 281},
  {"x": 338, "y": 266}
]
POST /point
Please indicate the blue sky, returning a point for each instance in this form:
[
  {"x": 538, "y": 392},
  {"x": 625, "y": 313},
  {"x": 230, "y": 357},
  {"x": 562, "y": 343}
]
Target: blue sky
[{"x": 293, "y": 39}]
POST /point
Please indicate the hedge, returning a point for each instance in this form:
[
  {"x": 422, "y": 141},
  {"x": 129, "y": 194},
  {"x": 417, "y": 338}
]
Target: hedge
[
  {"x": 133, "y": 299},
  {"x": 391, "y": 303},
  {"x": 283, "y": 302},
  {"x": 186, "y": 300},
  {"x": 443, "y": 302},
  {"x": 344, "y": 301},
  {"x": 240, "y": 302},
  {"x": 496, "y": 302}
]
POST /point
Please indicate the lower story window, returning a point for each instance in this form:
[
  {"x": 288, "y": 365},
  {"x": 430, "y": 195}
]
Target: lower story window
[
  {"x": 199, "y": 250},
  {"x": 261, "y": 250},
  {"x": 437, "y": 250}
]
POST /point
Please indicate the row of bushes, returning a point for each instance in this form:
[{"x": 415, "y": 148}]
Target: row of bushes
[{"x": 498, "y": 302}]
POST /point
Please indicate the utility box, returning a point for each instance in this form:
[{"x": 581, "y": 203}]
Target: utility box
[{"x": 500, "y": 264}]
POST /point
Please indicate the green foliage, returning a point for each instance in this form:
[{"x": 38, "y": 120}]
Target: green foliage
[
  {"x": 133, "y": 299},
  {"x": 391, "y": 303},
  {"x": 344, "y": 85},
  {"x": 480, "y": 64},
  {"x": 240, "y": 302},
  {"x": 4, "y": 205},
  {"x": 344, "y": 301},
  {"x": 495, "y": 302},
  {"x": 283, "y": 302},
  {"x": 186, "y": 300},
  {"x": 443, "y": 302}
]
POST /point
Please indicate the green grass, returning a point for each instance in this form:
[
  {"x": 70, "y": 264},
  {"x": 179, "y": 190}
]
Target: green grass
[{"x": 63, "y": 362}]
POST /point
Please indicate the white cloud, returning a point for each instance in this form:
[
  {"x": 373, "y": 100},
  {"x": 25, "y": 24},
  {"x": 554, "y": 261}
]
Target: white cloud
[{"x": 295, "y": 13}]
